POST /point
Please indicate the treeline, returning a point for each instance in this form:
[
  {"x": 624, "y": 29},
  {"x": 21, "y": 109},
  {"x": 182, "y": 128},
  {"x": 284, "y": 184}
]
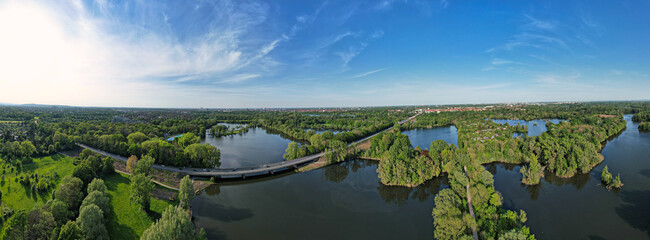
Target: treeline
[
  {"x": 186, "y": 151},
  {"x": 643, "y": 118}
]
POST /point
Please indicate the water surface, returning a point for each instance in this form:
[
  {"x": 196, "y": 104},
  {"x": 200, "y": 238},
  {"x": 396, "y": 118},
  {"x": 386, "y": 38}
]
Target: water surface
[
  {"x": 342, "y": 201},
  {"x": 535, "y": 127},
  {"x": 253, "y": 148},
  {"x": 579, "y": 207},
  {"x": 424, "y": 136}
]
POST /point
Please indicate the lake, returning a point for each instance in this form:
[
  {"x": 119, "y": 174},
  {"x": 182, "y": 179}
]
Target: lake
[
  {"x": 424, "y": 136},
  {"x": 253, "y": 148},
  {"x": 579, "y": 207},
  {"x": 535, "y": 127},
  {"x": 342, "y": 201}
]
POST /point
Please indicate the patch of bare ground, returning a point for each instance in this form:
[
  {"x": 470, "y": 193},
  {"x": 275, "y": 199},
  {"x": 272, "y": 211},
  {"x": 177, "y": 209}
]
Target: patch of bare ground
[
  {"x": 606, "y": 116},
  {"x": 164, "y": 178},
  {"x": 199, "y": 185},
  {"x": 321, "y": 162}
]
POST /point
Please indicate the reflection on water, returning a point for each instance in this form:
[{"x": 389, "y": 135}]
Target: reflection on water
[
  {"x": 347, "y": 197},
  {"x": 580, "y": 207},
  {"x": 424, "y": 136},
  {"x": 253, "y": 148}
]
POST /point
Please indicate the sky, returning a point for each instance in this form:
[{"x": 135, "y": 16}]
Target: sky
[{"x": 250, "y": 54}]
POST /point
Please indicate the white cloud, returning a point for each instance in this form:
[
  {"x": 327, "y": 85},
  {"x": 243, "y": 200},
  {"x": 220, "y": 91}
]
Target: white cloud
[
  {"x": 368, "y": 73},
  {"x": 66, "y": 55}
]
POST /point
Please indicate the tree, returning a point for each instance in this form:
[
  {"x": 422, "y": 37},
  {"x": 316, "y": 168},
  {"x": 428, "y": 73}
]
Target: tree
[
  {"x": 532, "y": 173},
  {"x": 186, "y": 193},
  {"x": 616, "y": 183},
  {"x": 144, "y": 165},
  {"x": 39, "y": 224},
  {"x": 91, "y": 222},
  {"x": 448, "y": 216},
  {"x": 137, "y": 138},
  {"x": 98, "y": 199},
  {"x": 70, "y": 191},
  {"x": 60, "y": 212},
  {"x": 97, "y": 185},
  {"x": 15, "y": 227},
  {"x": 70, "y": 231},
  {"x": 606, "y": 177},
  {"x": 188, "y": 139},
  {"x": 140, "y": 192},
  {"x": 27, "y": 148},
  {"x": 108, "y": 168},
  {"x": 131, "y": 163},
  {"x": 175, "y": 223},
  {"x": 85, "y": 172},
  {"x": 203, "y": 155}
]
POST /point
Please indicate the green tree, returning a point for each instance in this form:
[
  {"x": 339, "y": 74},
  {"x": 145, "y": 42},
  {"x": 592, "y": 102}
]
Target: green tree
[
  {"x": 606, "y": 177},
  {"x": 448, "y": 216},
  {"x": 140, "y": 191},
  {"x": 188, "y": 139},
  {"x": 203, "y": 155},
  {"x": 98, "y": 199},
  {"x": 532, "y": 173},
  {"x": 186, "y": 193},
  {"x": 27, "y": 148},
  {"x": 91, "y": 222},
  {"x": 70, "y": 191},
  {"x": 14, "y": 228},
  {"x": 39, "y": 224},
  {"x": 144, "y": 165},
  {"x": 85, "y": 172},
  {"x": 107, "y": 167},
  {"x": 70, "y": 231},
  {"x": 97, "y": 185},
  {"x": 175, "y": 223},
  {"x": 137, "y": 138},
  {"x": 60, "y": 212}
]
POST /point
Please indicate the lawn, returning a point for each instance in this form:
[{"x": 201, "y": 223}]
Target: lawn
[
  {"x": 19, "y": 196},
  {"x": 128, "y": 221}
]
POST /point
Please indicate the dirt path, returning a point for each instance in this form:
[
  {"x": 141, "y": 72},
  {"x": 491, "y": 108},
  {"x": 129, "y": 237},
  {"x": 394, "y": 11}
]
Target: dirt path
[{"x": 156, "y": 182}]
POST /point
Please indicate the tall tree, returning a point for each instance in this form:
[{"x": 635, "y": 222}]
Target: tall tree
[
  {"x": 140, "y": 192},
  {"x": 91, "y": 223},
  {"x": 174, "y": 224},
  {"x": 131, "y": 163},
  {"x": 186, "y": 193},
  {"x": 70, "y": 191}
]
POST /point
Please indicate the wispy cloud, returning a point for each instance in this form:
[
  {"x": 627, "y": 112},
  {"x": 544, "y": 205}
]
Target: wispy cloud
[
  {"x": 368, "y": 73},
  {"x": 539, "y": 24},
  {"x": 239, "y": 78}
]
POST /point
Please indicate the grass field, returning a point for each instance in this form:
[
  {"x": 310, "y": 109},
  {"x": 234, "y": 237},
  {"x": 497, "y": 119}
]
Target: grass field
[
  {"x": 19, "y": 196},
  {"x": 128, "y": 220}
]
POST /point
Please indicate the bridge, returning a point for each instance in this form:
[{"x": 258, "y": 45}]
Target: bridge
[{"x": 242, "y": 172}]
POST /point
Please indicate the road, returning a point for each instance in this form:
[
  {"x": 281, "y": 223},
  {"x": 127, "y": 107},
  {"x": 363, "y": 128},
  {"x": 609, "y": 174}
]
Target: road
[{"x": 241, "y": 172}]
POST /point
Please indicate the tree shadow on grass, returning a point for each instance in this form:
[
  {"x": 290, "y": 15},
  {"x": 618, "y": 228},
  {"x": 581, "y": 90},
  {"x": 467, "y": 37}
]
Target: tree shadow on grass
[
  {"x": 637, "y": 209},
  {"x": 117, "y": 230}
]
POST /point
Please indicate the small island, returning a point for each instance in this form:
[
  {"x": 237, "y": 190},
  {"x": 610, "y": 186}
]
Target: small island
[{"x": 606, "y": 178}]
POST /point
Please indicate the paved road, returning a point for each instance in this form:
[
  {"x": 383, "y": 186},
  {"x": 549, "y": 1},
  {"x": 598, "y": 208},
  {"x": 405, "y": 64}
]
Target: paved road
[{"x": 241, "y": 172}]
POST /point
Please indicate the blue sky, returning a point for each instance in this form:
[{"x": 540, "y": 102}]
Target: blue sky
[{"x": 322, "y": 53}]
